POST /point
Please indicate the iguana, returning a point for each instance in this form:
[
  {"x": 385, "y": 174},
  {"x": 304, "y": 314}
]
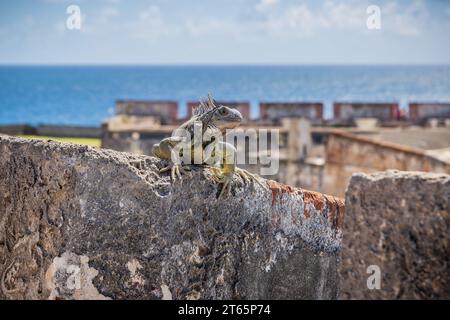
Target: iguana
[{"x": 214, "y": 121}]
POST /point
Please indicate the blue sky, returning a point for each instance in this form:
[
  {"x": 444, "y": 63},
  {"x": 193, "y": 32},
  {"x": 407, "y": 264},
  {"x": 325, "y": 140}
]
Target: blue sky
[{"x": 224, "y": 32}]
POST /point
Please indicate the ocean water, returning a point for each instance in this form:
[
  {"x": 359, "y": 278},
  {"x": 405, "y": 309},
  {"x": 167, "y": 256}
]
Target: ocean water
[{"x": 85, "y": 95}]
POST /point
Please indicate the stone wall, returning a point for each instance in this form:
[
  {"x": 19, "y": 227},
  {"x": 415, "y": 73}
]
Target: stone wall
[
  {"x": 399, "y": 222},
  {"x": 52, "y": 130},
  {"x": 17, "y": 129},
  {"x": 419, "y": 111},
  {"x": 167, "y": 111},
  {"x": 346, "y": 112},
  {"x": 68, "y": 131},
  {"x": 84, "y": 223},
  {"x": 347, "y": 154},
  {"x": 273, "y": 112}
]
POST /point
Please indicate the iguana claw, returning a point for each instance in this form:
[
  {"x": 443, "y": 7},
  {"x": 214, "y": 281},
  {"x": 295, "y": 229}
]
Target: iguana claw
[
  {"x": 225, "y": 179},
  {"x": 247, "y": 176},
  {"x": 175, "y": 170}
]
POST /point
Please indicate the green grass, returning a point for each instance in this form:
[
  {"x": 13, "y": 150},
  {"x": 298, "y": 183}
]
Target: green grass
[{"x": 85, "y": 141}]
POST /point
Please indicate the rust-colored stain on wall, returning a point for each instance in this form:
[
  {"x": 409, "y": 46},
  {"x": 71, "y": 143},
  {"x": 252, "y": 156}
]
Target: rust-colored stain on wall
[
  {"x": 336, "y": 211},
  {"x": 316, "y": 198},
  {"x": 278, "y": 189},
  {"x": 335, "y": 206}
]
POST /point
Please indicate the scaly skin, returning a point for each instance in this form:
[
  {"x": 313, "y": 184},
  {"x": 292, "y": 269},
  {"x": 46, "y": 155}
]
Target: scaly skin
[{"x": 215, "y": 120}]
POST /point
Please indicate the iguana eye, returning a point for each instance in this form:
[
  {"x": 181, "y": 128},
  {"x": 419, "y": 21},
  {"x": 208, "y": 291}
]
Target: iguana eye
[{"x": 222, "y": 111}]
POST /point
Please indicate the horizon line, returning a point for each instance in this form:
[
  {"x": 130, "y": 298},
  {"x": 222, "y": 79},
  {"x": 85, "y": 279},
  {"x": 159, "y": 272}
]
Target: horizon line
[{"x": 238, "y": 64}]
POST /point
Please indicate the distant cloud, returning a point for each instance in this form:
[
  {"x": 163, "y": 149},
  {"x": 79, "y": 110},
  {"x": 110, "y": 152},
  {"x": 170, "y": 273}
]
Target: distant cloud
[
  {"x": 286, "y": 19},
  {"x": 77, "y": 1},
  {"x": 54, "y": 1},
  {"x": 259, "y": 30},
  {"x": 106, "y": 13},
  {"x": 265, "y": 5},
  {"x": 405, "y": 21},
  {"x": 29, "y": 21},
  {"x": 301, "y": 20},
  {"x": 150, "y": 13},
  {"x": 344, "y": 15},
  {"x": 304, "y": 20},
  {"x": 210, "y": 26},
  {"x": 150, "y": 25},
  {"x": 100, "y": 22},
  {"x": 60, "y": 28}
]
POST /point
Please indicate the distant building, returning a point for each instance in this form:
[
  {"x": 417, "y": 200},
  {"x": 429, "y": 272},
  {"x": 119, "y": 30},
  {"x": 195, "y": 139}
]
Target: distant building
[
  {"x": 421, "y": 112},
  {"x": 137, "y": 125},
  {"x": 273, "y": 112},
  {"x": 347, "y": 153},
  {"x": 242, "y": 106},
  {"x": 345, "y": 113},
  {"x": 166, "y": 111}
]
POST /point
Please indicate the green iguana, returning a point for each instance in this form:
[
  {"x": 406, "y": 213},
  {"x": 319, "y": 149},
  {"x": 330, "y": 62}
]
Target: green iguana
[{"x": 214, "y": 120}]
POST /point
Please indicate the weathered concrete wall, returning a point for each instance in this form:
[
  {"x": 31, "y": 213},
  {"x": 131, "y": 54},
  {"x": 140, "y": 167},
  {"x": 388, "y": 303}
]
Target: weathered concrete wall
[
  {"x": 418, "y": 111},
  {"x": 400, "y": 222},
  {"x": 166, "y": 110},
  {"x": 346, "y": 112},
  {"x": 17, "y": 129},
  {"x": 273, "y": 112},
  {"x": 68, "y": 131},
  {"x": 51, "y": 130},
  {"x": 78, "y": 222},
  {"x": 347, "y": 154},
  {"x": 417, "y": 137}
]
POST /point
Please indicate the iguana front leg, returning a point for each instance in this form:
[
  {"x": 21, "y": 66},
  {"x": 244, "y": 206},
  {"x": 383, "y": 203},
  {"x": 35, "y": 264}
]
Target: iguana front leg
[
  {"x": 164, "y": 150},
  {"x": 244, "y": 174},
  {"x": 227, "y": 154}
]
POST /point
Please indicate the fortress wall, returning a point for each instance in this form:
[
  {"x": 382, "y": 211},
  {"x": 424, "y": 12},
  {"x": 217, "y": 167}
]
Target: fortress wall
[
  {"x": 398, "y": 222},
  {"x": 84, "y": 223}
]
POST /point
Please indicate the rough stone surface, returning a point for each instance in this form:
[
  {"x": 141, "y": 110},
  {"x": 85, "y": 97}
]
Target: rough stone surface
[
  {"x": 84, "y": 223},
  {"x": 399, "y": 221}
]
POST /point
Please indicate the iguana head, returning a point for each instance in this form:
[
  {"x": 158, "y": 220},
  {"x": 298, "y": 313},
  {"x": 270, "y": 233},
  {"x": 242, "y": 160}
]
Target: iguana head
[
  {"x": 217, "y": 116},
  {"x": 226, "y": 118}
]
